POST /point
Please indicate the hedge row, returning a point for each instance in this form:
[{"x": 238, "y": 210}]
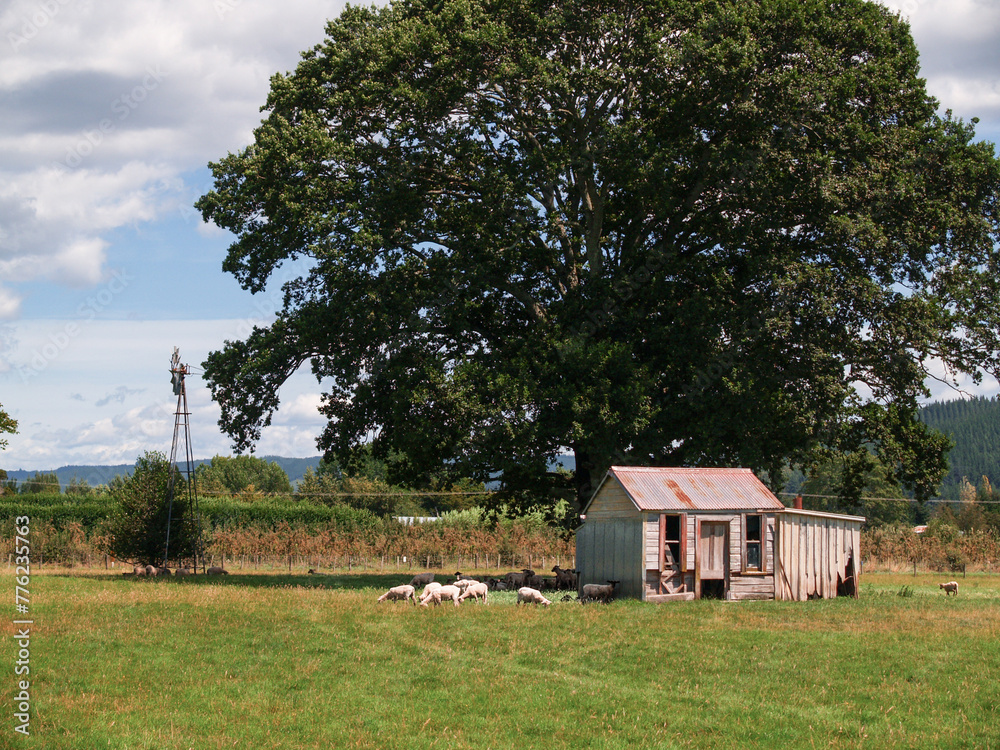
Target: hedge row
[{"x": 91, "y": 510}]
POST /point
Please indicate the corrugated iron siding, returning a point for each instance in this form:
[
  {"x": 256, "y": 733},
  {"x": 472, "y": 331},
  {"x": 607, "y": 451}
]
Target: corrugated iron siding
[
  {"x": 685, "y": 489},
  {"x": 612, "y": 551}
]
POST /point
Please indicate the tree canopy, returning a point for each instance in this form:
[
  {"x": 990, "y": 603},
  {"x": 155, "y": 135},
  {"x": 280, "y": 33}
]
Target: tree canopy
[
  {"x": 43, "y": 482},
  {"x": 229, "y": 474},
  {"x": 141, "y": 514},
  {"x": 695, "y": 232},
  {"x": 7, "y": 424}
]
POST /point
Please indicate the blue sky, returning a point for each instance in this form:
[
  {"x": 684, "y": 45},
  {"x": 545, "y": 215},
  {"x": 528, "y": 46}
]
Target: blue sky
[{"x": 109, "y": 114}]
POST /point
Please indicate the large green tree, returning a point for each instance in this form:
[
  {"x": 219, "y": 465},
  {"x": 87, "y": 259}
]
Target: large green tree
[{"x": 702, "y": 232}]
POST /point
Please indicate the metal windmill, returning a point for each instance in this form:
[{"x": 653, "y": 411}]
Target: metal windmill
[{"x": 182, "y": 422}]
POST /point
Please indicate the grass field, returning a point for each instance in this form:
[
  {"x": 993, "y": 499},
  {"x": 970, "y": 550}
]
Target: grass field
[{"x": 278, "y": 661}]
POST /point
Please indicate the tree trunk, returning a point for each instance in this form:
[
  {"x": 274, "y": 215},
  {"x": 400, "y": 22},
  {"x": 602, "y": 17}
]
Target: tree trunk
[{"x": 583, "y": 476}]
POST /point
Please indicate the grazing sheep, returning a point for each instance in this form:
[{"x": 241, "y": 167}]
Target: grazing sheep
[
  {"x": 215, "y": 570},
  {"x": 397, "y": 593},
  {"x": 463, "y": 583},
  {"x": 429, "y": 589},
  {"x": 163, "y": 572},
  {"x": 949, "y": 588},
  {"x": 599, "y": 592},
  {"x": 515, "y": 580},
  {"x": 182, "y": 572},
  {"x": 476, "y": 591},
  {"x": 445, "y": 592},
  {"x": 565, "y": 579},
  {"x": 529, "y": 595},
  {"x": 139, "y": 570},
  {"x": 151, "y": 570},
  {"x": 421, "y": 579}
]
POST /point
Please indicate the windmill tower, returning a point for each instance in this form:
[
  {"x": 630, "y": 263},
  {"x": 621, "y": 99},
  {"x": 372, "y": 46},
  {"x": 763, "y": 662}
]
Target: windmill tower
[{"x": 182, "y": 422}]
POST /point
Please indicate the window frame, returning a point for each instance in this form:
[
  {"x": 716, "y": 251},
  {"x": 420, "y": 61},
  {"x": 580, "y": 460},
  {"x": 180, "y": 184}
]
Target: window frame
[
  {"x": 681, "y": 557},
  {"x": 761, "y": 543}
]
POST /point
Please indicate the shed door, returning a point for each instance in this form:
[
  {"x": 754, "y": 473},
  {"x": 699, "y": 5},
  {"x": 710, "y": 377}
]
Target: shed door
[{"x": 712, "y": 546}]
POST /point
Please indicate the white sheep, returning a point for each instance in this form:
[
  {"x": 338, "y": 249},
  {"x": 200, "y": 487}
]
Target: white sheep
[
  {"x": 463, "y": 583},
  {"x": 215, "y": 570},
  {"x": 949, "y": 588},
  {"x": 151, "y": 570},
  {"x": 397, "y": 593},
  {"x": 445, "y": 592},
  {"x": 529, "y": 595},
  {"x": 599, "y": 591},
  {"x": 429, "y": 589},
  {"x": 476, "y": 591},
  {"x": 180, "y": 572},
  {"x": 139, "y": 570}
]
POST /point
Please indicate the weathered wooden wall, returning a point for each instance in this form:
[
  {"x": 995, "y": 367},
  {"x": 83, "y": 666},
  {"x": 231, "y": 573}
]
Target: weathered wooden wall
[
  {"x": 742, "y": 585},
  {"x": 610, "y": 503},
  {"x": 814, "y": 551}
]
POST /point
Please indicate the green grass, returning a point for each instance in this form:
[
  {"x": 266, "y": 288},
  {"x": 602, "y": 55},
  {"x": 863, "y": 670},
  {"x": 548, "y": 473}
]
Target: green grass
[{"x": 277, "y": 661}]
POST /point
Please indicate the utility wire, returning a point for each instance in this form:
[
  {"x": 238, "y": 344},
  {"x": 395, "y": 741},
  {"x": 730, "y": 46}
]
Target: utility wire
[{"x": 898, "y": 499}]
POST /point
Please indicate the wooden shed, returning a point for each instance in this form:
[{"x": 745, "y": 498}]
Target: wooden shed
[{"x": 683, "y": 533}]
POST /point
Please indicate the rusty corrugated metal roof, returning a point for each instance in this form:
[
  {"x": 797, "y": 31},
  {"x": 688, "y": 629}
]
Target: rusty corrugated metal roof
[{"x": 681, "y": 489}]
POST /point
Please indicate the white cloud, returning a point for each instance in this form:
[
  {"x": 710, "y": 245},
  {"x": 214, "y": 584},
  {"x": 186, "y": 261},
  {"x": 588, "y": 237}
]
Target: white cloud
[
  {"x": 304, "y": 408},
  {"x": 959, "y": 55},
  {"x": 106, "y": 383},
  {"x": 107, "y": 105},
  {"x": 10, "y": 306}
]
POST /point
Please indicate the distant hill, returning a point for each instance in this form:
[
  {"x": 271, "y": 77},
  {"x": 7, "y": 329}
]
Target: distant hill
[
  {"x": 295, "y": 468},
  {"x": 974, "y": 425}
]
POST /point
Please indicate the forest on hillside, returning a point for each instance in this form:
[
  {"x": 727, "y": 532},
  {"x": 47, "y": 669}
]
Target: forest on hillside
[{"x": 974, "y": 426}]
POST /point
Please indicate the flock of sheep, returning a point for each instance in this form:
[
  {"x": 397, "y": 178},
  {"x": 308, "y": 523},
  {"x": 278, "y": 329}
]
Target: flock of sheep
[{"x": 527, "y": 583}]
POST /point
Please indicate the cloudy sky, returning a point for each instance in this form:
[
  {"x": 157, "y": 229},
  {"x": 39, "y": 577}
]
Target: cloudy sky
[{"x": 109, "y": 114}]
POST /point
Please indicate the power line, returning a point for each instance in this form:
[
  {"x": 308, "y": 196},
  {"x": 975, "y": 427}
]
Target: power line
[{"x": 897, "y": 499}]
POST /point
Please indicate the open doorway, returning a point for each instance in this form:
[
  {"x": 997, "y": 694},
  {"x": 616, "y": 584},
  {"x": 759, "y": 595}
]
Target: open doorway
[{"x": 713, "y": 560}]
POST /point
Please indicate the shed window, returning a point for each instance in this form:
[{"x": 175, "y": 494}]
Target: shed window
[
  {"x": 753, "y": 541},
  {"x": 672, "y": 547}
]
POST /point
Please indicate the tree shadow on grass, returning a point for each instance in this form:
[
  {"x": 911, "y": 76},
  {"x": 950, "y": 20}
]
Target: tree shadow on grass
[{"x": 343, "y": 581}]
